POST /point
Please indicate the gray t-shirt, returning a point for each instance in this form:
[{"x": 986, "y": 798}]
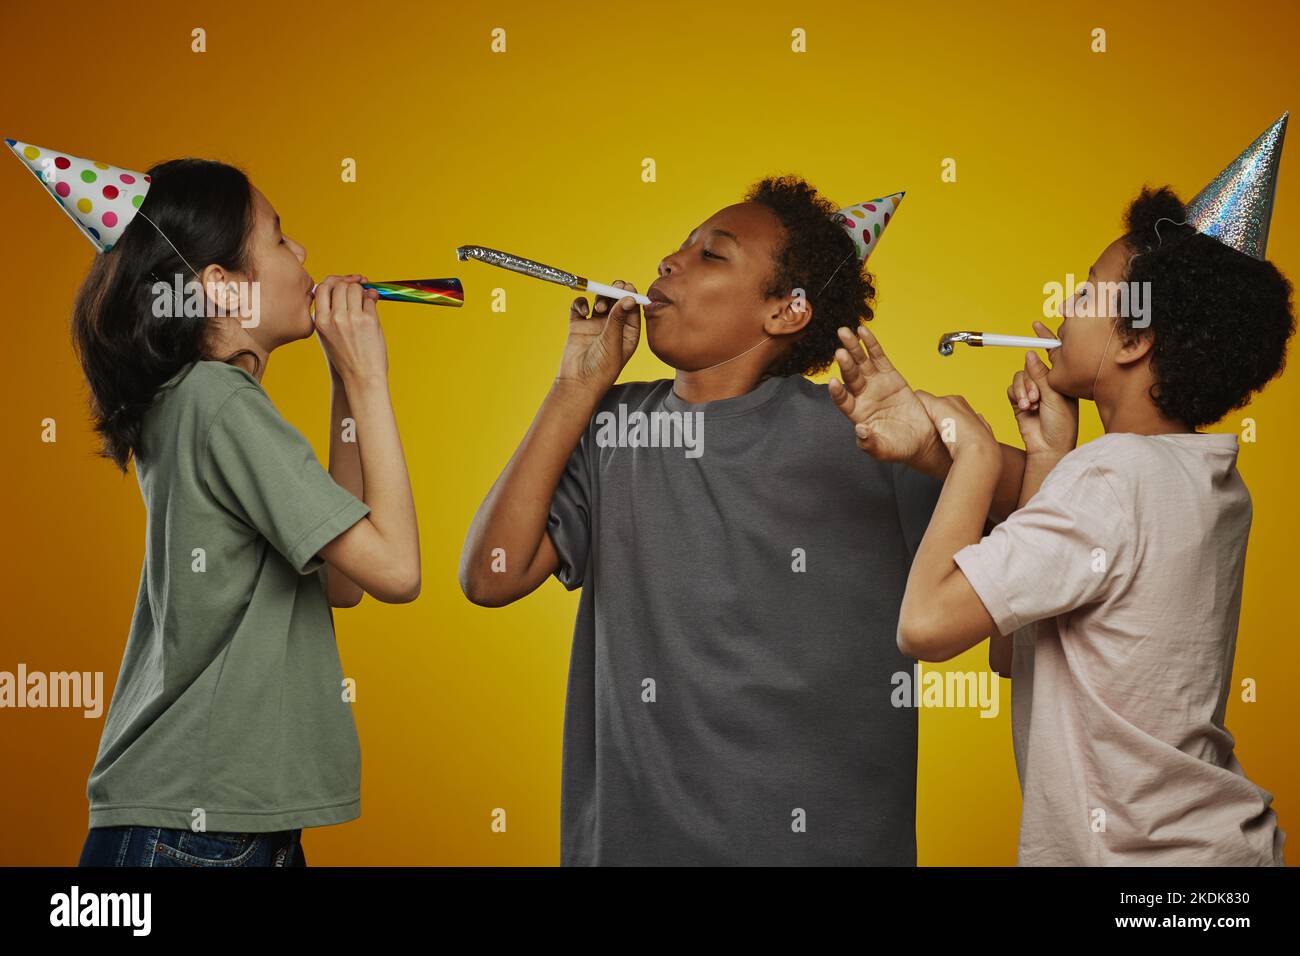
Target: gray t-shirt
[
  {"x": 730, "y": 683},
  {"x": 230, "y": 696}
]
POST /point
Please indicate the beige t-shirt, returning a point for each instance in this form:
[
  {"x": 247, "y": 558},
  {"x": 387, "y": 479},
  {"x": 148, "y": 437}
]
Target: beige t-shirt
[{"x": 1121, "y": 579}]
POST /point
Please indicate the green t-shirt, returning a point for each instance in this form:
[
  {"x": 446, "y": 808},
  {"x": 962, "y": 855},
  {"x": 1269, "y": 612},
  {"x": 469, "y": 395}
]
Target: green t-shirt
[{"x": 230, "y": 696}]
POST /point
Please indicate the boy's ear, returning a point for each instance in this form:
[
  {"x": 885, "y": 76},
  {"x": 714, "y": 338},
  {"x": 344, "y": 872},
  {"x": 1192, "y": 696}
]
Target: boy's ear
[
  {"x": 792, "y": 314},
  {"x": 1134, "y": 345}
]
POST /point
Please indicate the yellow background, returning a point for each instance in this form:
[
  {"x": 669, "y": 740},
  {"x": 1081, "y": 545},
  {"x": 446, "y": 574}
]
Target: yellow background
[{"x": 538, "y": 151}]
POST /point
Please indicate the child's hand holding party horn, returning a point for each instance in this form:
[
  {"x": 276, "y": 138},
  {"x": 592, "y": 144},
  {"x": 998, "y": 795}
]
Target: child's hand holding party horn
[
  {"x": 1048, "y": 421},
  {"x": 598, "y": 347},
  {"x": 347, "y": 325}
]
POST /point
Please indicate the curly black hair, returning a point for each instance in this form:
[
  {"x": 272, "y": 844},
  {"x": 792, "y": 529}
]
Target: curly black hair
[
  {"x": 815, "y": 246},
  {"x": 1220, "y": 319}
]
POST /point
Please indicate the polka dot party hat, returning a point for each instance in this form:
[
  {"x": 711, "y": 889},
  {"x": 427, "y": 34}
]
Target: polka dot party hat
[
  {"x": 101, "y": 199},
  {"x": 867, "y": 220}
]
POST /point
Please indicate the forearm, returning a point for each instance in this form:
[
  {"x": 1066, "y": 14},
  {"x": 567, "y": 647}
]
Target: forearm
[
  {"x": 510, "y": 524},
  {"x": 345, "y": 456},
  {"x": 958, "y": 521},
  {"x": 1007, "y": 492},
  {"x": 1037, "y": 467},
  {"x": 345, "y": 469},
  {"x": 383, "y": 479},
  {"x": 938, "y": 618}
]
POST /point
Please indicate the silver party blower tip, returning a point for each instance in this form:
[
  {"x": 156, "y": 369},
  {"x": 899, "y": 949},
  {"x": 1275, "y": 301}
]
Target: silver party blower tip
[{"x": 505, "y": 260}]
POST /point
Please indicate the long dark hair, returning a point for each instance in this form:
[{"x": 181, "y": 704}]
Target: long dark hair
[{"x": 126, "y": 351}]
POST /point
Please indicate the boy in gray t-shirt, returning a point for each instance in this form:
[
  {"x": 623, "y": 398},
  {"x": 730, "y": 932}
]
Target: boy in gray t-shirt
[
  {"x": 729, "y": 688},
  {"x": 741, "y": 563}
]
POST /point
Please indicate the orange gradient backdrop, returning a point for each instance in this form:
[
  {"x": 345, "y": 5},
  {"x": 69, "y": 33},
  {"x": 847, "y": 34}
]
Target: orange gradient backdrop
[{"x": 538, "y": 150}]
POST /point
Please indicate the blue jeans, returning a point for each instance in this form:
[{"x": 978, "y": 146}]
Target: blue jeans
[{"x": 159, "y": 846}]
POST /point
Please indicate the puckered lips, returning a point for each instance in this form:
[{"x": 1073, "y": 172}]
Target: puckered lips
[{"x": 658, "y": 300}]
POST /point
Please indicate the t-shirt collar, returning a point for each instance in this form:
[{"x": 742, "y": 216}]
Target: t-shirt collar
[
  {"x": 763, "y": 392},
  {"x": 1208, "y": 442}
]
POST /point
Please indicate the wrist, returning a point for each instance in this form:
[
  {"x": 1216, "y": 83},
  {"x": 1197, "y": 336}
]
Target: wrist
[
  {"x": 359, "y": 384},
  {"x": 984, "y": 459},
  {"x": 1038, "y": 442},
  {"x": 1045, "y": 456},
  {"x": 578, "y": 392},
  {"x": 934, "y": 459}
]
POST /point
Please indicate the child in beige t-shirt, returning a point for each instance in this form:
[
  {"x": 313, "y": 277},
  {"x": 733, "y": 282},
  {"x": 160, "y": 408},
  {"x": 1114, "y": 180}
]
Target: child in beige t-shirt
[
  {"x": 1125, "y": 572},
  {"x": 1121, "y": 573}
]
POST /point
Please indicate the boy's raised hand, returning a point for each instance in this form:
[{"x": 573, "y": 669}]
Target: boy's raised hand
[
  {"x": 1048, "y": 421},
  {"x": 599, "y": 347},
  {"x": 890, "y": 422}
]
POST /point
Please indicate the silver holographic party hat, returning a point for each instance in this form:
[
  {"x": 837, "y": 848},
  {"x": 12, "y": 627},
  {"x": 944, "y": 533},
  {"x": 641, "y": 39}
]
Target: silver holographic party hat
[{"x": 1237, "y": 206}]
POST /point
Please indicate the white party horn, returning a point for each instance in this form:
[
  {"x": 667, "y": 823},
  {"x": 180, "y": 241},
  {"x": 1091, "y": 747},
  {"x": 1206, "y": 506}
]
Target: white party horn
[{"x": 980, "y": 339}]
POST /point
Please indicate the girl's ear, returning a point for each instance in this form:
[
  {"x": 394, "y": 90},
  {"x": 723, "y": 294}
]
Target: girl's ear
[{"x": 220, "y": 289}]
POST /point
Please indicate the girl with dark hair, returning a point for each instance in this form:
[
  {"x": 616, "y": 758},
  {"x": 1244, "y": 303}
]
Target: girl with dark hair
[{"x": 230, "y": 727}]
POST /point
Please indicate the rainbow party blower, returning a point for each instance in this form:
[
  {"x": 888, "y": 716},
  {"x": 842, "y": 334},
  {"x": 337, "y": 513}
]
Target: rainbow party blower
[{"x": 428, "y": 291}]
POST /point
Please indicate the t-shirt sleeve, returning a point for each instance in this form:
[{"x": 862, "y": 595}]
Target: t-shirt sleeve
[
  {"x": 569, "y": 521},
  {"x": 916, "y": 495},
  {"x": 1067, "y": 548},
  {"x": 261, "y": 469}
]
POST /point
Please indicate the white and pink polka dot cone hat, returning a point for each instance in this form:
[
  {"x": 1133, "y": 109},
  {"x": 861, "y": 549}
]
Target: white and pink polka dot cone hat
[
  {"x": 101, "y": 199},
  {"x": 865, "y": 222}
]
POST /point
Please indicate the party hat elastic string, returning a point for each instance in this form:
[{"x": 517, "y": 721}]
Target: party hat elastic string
[
  {"x": 195, "y": 272},
  {"x": 851, "y": 255},
  {"x": 864, "y": 222}
]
